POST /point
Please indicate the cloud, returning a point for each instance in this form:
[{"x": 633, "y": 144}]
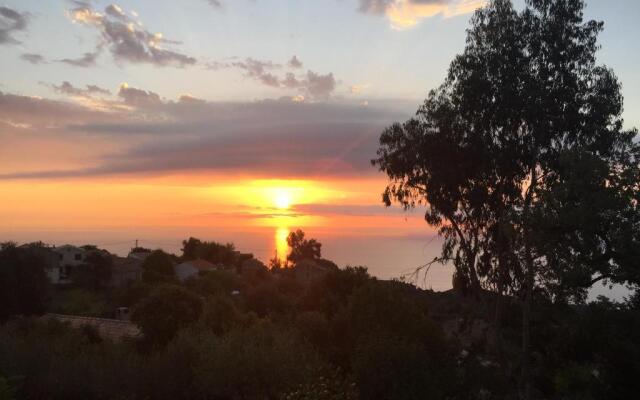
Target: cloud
[
  {"x": 93, "y": 89},
  {"x": 45, "y": 114},
  {"x": 375, "y": 6},
  {"x": 33, "y": 58},
  {"x": 68, "y": 89},
  {"x": 87, "y": 60},
  {"x": 216, "y": 65},
  {"x": 215, "y": 3},
  {"x": 294, "y": 62},
  {"x": 125, "y": 38},
  {"x": 353, "y": 210},
  {"x": 154, "y": 136},
  {"x": 188, "y": 99},
  {"x": 115, "y": 11},
  {"x": 407, "y": 13},
  {"x": 319, "y": 86},
  {"x": 358, "y": 89},
  {"x": 294, "y": 151},
  {"x": 257, "y": 69},
  {"x": 312, "y": 84},
  {"x": 11, "y": 21},
  {"x": 138, "y": 97},
  {"x": 290, "y": 81}
]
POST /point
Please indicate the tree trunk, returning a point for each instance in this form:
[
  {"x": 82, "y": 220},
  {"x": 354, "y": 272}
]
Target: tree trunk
[{"x": 525, "y": 376}]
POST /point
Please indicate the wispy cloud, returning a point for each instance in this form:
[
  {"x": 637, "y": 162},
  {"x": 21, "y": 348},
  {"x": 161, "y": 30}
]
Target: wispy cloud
[
  {"x": 11, "y": 21},
  {"x": 33, "y": 58},
  {"x": 358, "y": 89},
  {"x": 352, "y": 210},
  {"x": 215, "y": 3},
  {"x": 87, "y": 60},
  {"x": 311, "y": 84},
  {"x": 259, "y": 70},
  {"x": 68, "y": 89},
  {"x": 138, "y": 97},
  {"x": 295, "y": 63},
  {"x": 126, "y": 39},
  {"x": 156, "y": 136},
  {"x": 404, "y": 14}
]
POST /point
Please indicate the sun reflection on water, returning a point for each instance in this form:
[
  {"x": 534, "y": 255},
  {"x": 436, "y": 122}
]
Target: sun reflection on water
[{"x": 282, "y": 248}]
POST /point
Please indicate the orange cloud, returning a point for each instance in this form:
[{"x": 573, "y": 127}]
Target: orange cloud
[{"x": 405, "y": 14}]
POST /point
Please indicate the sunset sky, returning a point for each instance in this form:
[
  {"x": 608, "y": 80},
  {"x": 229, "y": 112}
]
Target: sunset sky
[{"x": 230, "y": 120}]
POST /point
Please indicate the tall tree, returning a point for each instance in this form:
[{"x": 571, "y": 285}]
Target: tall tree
[
  {"x": 522, "y": 161},
  {"x": 302, "y": 248},
  {"x": 158, "y": 267},
  {"x": 24, "y": 286}
]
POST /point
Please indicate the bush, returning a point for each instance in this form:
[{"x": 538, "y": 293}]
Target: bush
[
  {"x": 79, "y": 302},
  {"x": 24, "y": 286},
  {"x": 6, "y": 392},
  {"x": 50, "y": 360},
  {"x": 158, "y": 268},
  {"x": 167, "y": 310},
  {"x": 220, "y": 315},
  {"x": 215, "y": 283},
  {"x": 388, "y": 368},
  {"x": 262, "y": 362}
]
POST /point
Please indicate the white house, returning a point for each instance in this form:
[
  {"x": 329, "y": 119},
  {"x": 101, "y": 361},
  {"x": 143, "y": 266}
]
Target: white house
[
  {"x": 68, "y": 257},
  {"x": 191, "y": 268}
]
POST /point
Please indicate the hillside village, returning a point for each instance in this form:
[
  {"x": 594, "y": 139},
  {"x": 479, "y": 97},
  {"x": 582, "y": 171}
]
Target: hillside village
[
  {"x": 62, "y": 262},
  {"x": 89, "y": 287},
  {"x": 87, "y": 281}
]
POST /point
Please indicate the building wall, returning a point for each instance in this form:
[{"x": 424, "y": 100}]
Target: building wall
[
  {"x": 185, "y": 271},
  {"x": 70, "y": 255}
]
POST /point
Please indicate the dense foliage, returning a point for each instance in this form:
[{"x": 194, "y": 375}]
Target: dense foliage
[
  {"x": 158, "y": 267},
  {"x": 522, "y": 162},
  {"x": 24, "y": 286},
  {"x": 343, "y": 336}
]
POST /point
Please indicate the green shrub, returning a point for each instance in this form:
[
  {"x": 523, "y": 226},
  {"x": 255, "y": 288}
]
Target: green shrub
[
  {"x": 167, "y": 310},
  {"x": 261, "y": 362}
]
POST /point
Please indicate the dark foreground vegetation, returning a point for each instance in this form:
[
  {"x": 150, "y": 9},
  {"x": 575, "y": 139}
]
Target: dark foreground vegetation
[{"x": 274, "y": 334}]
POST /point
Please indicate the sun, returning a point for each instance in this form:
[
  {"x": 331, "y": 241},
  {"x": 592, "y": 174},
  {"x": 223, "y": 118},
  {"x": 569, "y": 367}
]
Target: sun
[{"x": 282, "y": 199}]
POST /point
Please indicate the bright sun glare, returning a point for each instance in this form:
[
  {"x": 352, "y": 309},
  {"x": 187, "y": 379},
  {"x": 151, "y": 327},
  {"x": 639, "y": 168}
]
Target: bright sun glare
[{"x": 282, "y": 199}]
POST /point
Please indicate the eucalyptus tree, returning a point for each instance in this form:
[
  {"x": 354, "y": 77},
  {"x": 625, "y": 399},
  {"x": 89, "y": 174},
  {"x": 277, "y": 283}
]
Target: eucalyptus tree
[{"x": 522, "y": 161}]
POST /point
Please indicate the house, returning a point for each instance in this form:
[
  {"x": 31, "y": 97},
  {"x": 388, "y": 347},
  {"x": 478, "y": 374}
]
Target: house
[
  {"x": 59, "y": 261},
  {"x": 69, "y": 257},
  {"x": 139, "y": 253},
  {"x": 191, "y": 268}
]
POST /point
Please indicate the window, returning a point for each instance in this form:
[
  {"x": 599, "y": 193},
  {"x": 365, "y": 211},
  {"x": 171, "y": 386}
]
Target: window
[{"x": 77, "y": 256}]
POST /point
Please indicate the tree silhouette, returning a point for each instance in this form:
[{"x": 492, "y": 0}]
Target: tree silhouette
[
  {"x": 158, "y": 267},
  {"x": 216, "y": 253},
  {"x": 165, "y": 311},
  {"x": 521, "y": 159},
  {"x": 24, "y": 286},
  {"x": 302, "y": 248}
]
